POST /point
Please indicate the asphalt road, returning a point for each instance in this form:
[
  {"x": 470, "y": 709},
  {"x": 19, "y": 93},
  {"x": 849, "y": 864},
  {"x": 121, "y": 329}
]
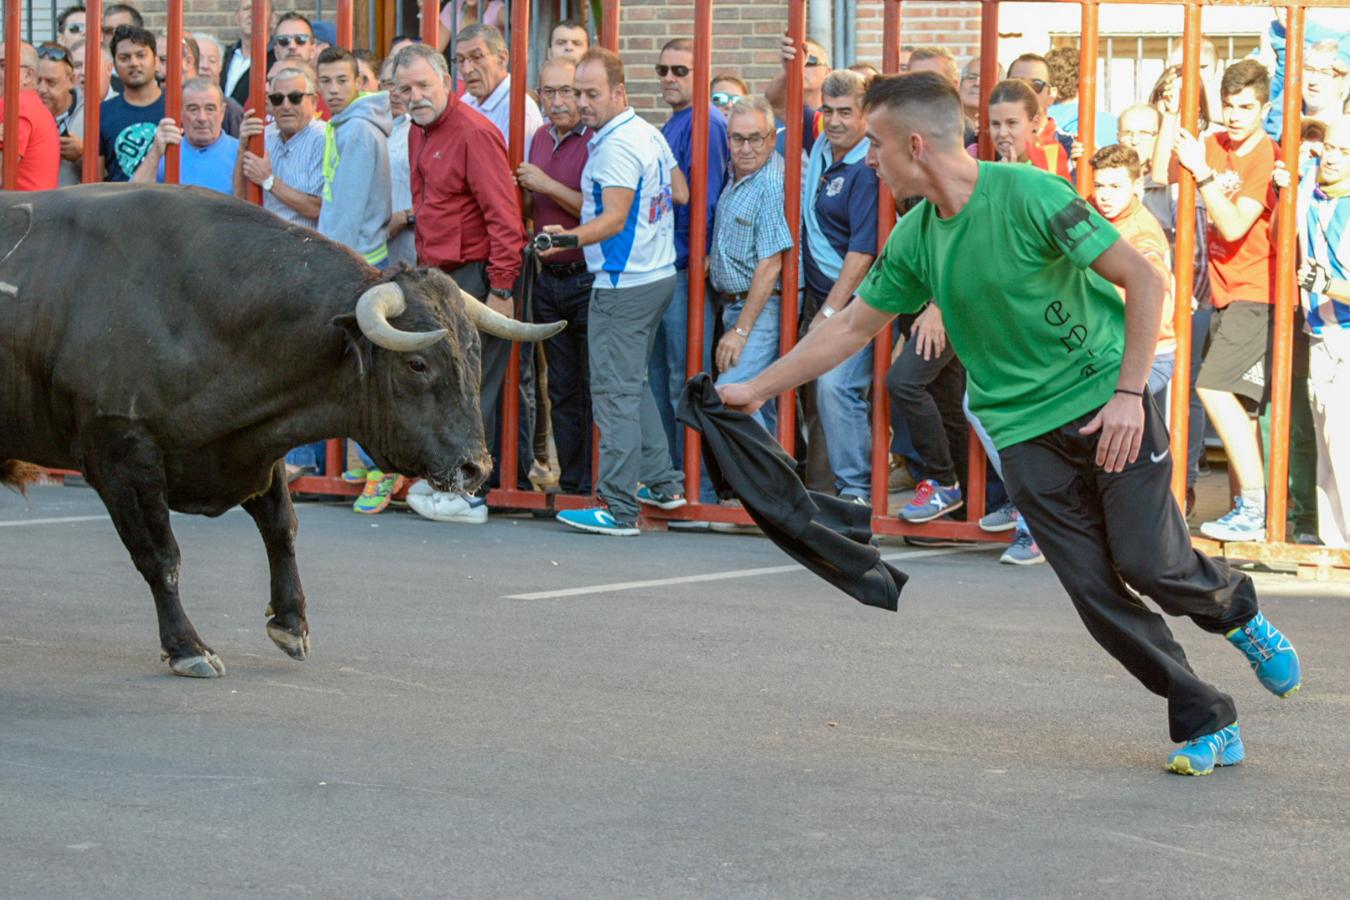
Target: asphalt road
[{"x": 749, "y": 736}]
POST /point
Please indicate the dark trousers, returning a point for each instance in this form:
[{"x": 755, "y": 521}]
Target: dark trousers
[
  {"x": 567, "y": 298},
  {"x": 927, "y": 393},
  {"x": 496, "y": 355},
  {"x": 813, "y": 457},
  {"x": 1104, "y": 534}
]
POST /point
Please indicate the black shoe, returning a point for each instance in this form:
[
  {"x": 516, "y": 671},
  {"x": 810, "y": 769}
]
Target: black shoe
[{"x": 1190, "y": 500}]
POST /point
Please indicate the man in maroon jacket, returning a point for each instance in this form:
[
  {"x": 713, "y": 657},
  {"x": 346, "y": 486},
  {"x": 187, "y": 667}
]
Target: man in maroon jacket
[{"x": 467, "y": 222}]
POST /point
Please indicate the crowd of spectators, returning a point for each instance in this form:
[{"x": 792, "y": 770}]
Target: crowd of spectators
[{"x": 405, "y": 163}]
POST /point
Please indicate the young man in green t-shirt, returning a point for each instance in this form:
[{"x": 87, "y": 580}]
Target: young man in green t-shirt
[{"x": 1024, "y": 272}]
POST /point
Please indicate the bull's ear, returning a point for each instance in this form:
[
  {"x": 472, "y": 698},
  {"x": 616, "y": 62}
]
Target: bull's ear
[{"x": 358, "y": 345}]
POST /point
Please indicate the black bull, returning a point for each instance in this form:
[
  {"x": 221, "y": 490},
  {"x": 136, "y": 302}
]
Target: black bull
[{"x": 173, "y": 344}]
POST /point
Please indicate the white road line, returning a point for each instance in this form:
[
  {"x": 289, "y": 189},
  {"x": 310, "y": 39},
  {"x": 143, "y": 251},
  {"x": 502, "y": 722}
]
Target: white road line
[
  {"x": 715, "y": 576},
  {"x": 61, "y": 520}
]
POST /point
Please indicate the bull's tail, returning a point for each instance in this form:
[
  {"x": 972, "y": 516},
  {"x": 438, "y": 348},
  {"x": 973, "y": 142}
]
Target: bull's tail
[{"x": 17, "y": 475}]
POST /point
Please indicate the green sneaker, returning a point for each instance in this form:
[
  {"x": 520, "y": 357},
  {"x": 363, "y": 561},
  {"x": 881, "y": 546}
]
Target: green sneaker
[
  {"x": 380, "y": 489},
  {"x": 355, "y": 476}
]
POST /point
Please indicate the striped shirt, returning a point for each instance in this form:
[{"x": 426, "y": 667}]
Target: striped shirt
[
  {"x": 299, "y": 163},
  {"x": 749, "y": 226},
  {"x": 1324, "y": 232}
]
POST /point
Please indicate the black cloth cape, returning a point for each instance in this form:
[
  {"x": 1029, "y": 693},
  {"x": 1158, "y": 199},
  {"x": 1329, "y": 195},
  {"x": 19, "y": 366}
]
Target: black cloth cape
[{"x": 829, "y": 536}]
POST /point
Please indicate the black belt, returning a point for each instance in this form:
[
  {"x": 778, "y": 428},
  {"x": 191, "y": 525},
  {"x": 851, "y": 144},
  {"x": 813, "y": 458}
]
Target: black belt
[{"x": 565, "y": 270}]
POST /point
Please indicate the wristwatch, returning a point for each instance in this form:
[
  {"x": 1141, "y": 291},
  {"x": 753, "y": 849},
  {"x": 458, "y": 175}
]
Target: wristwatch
[
  {"x": 500, "y": 293},
  {"x": 741, "y": 331},
  {"x": 1204, "y": 181},
  {"x": 268, "y": 182}
]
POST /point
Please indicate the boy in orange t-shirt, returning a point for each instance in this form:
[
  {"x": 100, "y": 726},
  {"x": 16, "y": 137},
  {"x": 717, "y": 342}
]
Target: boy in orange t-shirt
[{"x": 1233, "y": 171}]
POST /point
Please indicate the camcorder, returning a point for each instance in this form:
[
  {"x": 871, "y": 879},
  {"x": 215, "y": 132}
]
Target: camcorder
[{"x": 544, "y": 241}]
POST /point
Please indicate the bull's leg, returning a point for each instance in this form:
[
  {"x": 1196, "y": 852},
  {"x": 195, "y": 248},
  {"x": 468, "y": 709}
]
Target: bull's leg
[
  {"x": 127, "y": 470},
  {"x": 275, "y": 517}
]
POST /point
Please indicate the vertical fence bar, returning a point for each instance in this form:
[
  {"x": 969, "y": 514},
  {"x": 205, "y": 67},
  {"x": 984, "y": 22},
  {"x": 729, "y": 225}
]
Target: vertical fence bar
[
  {"x": 346, "y": 24},
  {"x": 93, "y": 72},
  {"x": 988, "y": 71},
  {"x": 173, "y": 87},
  {"x": 10, "y": 171},
  {"x": 698, "y": 230},
  {"x": 882, "y": 344},
  {"x": 1087, "y": 95},
  {"x": 257, "y": 83},
  {"x": 1286, "y": 290},
  {"x": 1183, "y": 263},
  {"x": 789, "y": 295},
  {"x": 431, "y": 22},
  {"x": 609, "y": 25}
]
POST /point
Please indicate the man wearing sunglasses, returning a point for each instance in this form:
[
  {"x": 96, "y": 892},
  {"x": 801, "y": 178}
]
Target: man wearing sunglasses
[
  {"x": 37, "y": 144},
  {"x": 291, "y": 171},
  {"x": 1035, "y": 71},
  {"x": 56, "y": 88},
  {"x": 70, "y": 26},
  {"x": 667, "y": 367}
]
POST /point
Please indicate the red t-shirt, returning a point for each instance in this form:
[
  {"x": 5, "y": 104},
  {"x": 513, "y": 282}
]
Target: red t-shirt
[
  {"x": 38, "y": 144},
  {"x": 1243, "y": 269}
]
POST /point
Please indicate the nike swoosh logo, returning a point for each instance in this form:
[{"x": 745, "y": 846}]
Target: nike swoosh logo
[{"x": 1158, "y": 457}]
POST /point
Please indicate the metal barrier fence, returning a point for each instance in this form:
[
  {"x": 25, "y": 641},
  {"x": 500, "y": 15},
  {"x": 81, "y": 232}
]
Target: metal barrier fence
[{"x": 510, "y": 494}]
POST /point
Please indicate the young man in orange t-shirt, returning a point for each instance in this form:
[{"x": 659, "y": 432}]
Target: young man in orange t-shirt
[
  {"x": 1233, "y": 171},
  {"x": 1117, "y": 191}
]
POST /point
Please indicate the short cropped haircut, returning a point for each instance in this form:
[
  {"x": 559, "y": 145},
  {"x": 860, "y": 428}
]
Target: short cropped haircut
[
  {"x": 1016, "y": 90},
  {"x": 1063, "y": 64},
  {"x": 1030, "y": 57},
  {"x": 941, "y": 53},
  {"x": 65, "y": 15},
  {"x": 1118, "y": 156},
  {"x": 138, "y": 36},
  {"x": 205, "y": 84},
  {"x": 609, "y": 59},
  {"x": 205, "y": 37},
  {"x": 1333, "y": 47},
  {"x": 296, "y": 72},
  {"x": 338, "y": 54},
  {"x": 413, "y": 52},
  {"x": 136, "y": 18},
  {"x": 745, "y": 105},
  {"x": 683, "y": 44},
  {"x": 570, "y": 24},
  {"x": 734, "y": 79},
  {"x": 1143, "y": 107},
  {"x": 930, "y": 101},
  {"x": 844, "y": 83},
  {"x": 1243, "y": 74},
  {"x": 488, "y": 34},
  {"x": 294, "y": 16}
]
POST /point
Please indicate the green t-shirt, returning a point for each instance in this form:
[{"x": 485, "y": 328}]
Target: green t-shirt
[{"x": 1041, "y": 335}]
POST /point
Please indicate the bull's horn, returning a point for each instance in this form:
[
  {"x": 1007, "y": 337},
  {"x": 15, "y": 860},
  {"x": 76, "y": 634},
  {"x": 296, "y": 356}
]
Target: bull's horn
[
  {"x": 373, "y": 311},
  {"x": 491, "y": 322}
]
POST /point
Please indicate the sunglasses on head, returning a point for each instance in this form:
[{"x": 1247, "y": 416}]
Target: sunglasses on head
[
  {"x": 50, "y": 52},
  {"x": 295, "y": 98},
  {"x": 680, "y": 71},
  {"x": 299, "y": 40}
]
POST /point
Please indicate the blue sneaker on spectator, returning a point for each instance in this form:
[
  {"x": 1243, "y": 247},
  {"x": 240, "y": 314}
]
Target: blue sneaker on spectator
[
  {"x": 1272, "y": 657},
  {"x": 1002, "y": 519},
  {"x": 1200, "y": 755},
  {"x": 1244, "y": 522},
  {"x": 659, "y": 498},
  {"x": 931, "y": 501},
  {"x": 1022, "y": 551},
  {"x": 596, "y": 520}
]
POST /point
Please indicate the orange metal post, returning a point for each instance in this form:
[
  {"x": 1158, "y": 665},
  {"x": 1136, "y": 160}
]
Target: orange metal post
[
  {"x": 431, "y": 22},
  {"x": 93, "y": 72},
  {"x": 988, "y": 72},
  {"x": 698, "y": 231},
  {"x": 1286, "y": 290},
  {"x": 792, "y": 184},
  {"x": 346, "y": 23},
  {"x": 1087, "y": 95},
  {"x": 257, "y": 82},
  {"x": 609, "y": 25},
  {"x": 173, "y": 86},
  {"x": 1184, "y": 260},
  {"x": 10, "y": 171}
]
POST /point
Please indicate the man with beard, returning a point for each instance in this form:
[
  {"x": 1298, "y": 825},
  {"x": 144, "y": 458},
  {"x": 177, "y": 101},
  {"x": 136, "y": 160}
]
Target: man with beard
[{"x": 127, "y": 122}]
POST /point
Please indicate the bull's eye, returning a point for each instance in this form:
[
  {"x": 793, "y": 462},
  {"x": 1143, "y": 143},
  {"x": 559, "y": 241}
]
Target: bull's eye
[{"x": 417, "y": 365}]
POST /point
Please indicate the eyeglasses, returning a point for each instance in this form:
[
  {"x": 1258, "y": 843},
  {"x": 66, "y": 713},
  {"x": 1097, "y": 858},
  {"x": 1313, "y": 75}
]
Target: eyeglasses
[
  {"x": 680, "y": 71},
  {"x": 1132, "y": 135},
  {"x": 725, "y": 98},
  {"x": 548, "y": 93},
  {"x": 476, "y": 57},
  {"x": 75, "y": 27},
  {"x": 756, "y": 141},
  {"x": 1328, "y": 72},
  {"x": 48, "y": 51},
  {"x": 1037, "y": 85},
  {"x": 285, "y": 40},
  {"x": 971, "y": 77},
  {"x": 295, "y": 98}
]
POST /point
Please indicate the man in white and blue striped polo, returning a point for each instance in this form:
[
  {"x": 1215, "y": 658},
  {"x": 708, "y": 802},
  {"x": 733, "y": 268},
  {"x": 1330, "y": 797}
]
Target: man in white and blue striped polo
[{"x": 291, "y": 172}]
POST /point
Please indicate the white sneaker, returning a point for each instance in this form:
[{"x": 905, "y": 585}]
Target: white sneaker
[
  {"x": 420, "y": 486},
  {"x": 443, "y": 506}
]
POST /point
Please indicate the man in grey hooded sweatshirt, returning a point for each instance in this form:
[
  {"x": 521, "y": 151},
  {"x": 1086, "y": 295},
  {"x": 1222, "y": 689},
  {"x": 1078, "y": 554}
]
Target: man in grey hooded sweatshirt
[{"x": 356, "y": 183}]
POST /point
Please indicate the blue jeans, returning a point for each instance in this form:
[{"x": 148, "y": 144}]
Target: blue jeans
[
  {"x": 1161, "y": 375},
  {"x": 314, "y": 456},
  {"x": 845, "y": 415},
  {"x": 761, "y": 349},
  {"x": 666, "y": 371}
]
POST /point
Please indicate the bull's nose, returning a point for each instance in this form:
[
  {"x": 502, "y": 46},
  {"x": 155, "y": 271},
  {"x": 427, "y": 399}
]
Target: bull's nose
[{"x": 472, "y": 472}]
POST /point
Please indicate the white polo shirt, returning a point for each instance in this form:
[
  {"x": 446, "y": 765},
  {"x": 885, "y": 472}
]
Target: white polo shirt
[
  {"x": 631, "y": 153},
  {"x": 497, "y": 109}
]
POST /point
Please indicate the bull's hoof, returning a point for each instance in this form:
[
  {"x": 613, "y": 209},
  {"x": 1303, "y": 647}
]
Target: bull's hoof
[
  {"x": 294, "y": 646},
  {"x": 207, "y": 665}
]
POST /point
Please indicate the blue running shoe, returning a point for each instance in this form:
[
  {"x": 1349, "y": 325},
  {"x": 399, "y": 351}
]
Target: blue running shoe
[
  {"x": 1200, "y": 755},
  {"x": 596, "y": 520},
  {"x": 1273, "y": 658},
  {"x": 1002, "y": 519},
  {"x": 1244, "y": 522},
  {"x": 659, "y": 498},
  {"x": 931, "y": 501}
]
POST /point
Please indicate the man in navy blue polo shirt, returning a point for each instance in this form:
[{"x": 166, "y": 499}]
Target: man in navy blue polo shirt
[
  {"x": 839, "y": 213},
  {"x": 667, "y": 367}
]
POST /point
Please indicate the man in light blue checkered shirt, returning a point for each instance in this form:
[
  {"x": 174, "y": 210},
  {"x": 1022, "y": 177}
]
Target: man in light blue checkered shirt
[
  {"x": 750, "y": 235},
  {"x": 291, "y": 171}
]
